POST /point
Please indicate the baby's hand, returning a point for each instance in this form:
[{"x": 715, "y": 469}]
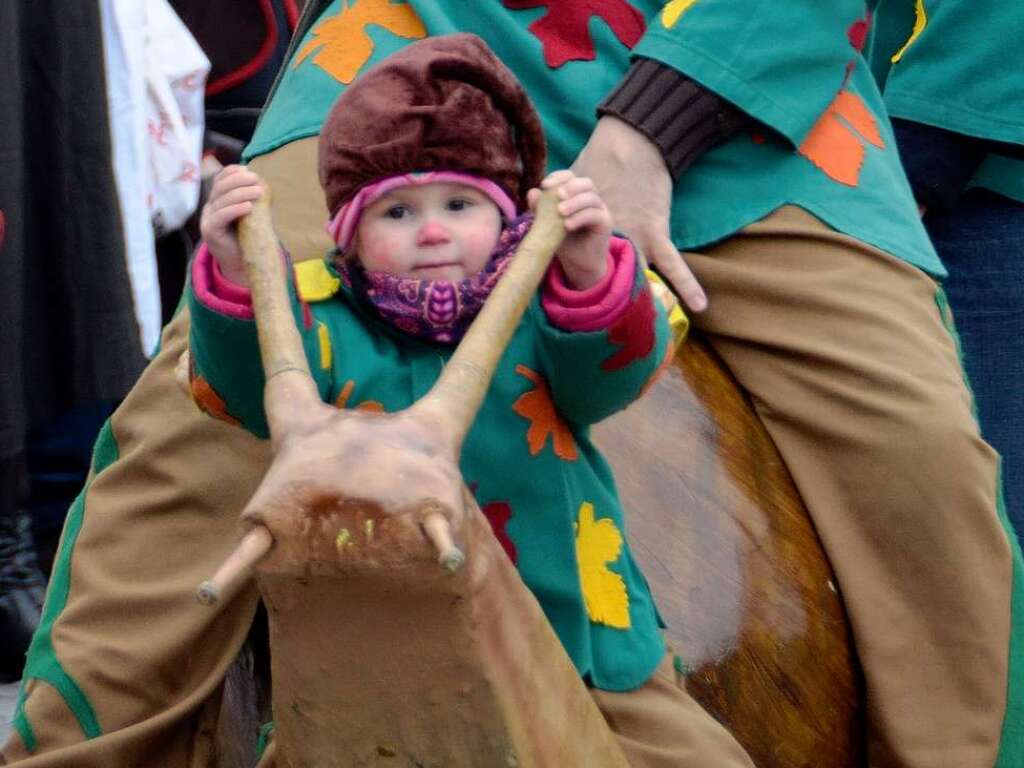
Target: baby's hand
[
  {"x": 232, "y": 195},
  {"x": 584, "y": 252}
]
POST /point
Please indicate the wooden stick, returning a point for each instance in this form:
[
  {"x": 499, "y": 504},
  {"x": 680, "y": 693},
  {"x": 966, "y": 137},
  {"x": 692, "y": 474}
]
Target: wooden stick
[
  {"x": 280, "y": 344},
  {"x": 458, "y": 393},
  {"x": 238, "y": 568},
  {"x": 437, "y": 528}
]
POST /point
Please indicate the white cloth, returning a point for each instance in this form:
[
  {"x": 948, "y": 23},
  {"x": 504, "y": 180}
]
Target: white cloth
[
  {"x": 155, "y": 75},
  {"x": 176, "y": 70}
]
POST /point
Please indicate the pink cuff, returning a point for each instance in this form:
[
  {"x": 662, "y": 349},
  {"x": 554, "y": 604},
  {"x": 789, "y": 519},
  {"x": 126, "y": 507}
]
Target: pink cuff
[
  {"x": 599, "y": 306},
  {"x": 215, "y": 291}
]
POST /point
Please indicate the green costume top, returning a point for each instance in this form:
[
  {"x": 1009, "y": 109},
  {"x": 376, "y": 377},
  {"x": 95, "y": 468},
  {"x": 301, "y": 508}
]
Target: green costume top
[
  {"x": 529, "y": 459},
  {"x": 795, "y": 66},
  {"x": 957, "y": 66}
]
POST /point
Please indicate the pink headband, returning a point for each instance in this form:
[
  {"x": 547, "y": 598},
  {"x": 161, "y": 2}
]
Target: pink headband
[{"x": 342, "y": 227}]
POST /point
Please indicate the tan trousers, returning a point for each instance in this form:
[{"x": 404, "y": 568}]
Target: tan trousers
[
  {"x": 649, "y": 725},
  {"x": 843, "y": 351}
]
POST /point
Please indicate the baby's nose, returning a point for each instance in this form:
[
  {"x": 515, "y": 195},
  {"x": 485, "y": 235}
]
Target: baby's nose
[{"x": 432, "y": 233}]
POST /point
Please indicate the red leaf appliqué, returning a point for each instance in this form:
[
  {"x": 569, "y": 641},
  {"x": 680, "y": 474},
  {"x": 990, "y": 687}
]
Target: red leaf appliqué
[
  {"x": 857, "y": 33},
  {"x": 498, "y": 513},
  {"x": 563, "y": 30},
  {"x": 634, "y": 331}
]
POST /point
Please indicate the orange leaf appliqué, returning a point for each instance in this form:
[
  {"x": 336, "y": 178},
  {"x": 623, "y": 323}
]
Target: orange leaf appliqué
[
  {"x": 367, "y": 405},
  {"x": 341, "y": 42},
  {"x": 835, "y": 142},
  {"x": 537, "y": 407},
  {"x": 206, "y": 397}
]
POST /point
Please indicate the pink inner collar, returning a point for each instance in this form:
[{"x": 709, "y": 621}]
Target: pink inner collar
[{"x": 342, "y": 227}]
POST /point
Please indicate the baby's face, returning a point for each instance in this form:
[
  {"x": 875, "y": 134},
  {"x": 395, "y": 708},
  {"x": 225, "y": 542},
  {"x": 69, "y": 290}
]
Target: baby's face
[{"x": 438, "y": 231}]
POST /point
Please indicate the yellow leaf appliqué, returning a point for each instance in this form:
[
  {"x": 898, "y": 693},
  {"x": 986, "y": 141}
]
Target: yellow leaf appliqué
[
  {"x": 324, "y": 337},
  {"x": 598, "y": 543},
  {"x": 341, "y": 42},
  {"x": 920, "y": 22},
  {"x": 673, "y": 11}
]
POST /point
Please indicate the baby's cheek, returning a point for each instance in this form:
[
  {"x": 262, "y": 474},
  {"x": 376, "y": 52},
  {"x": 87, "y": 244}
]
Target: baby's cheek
[
  {"x": 481, "y": 243},
  {"x": 380, "y": 252}
]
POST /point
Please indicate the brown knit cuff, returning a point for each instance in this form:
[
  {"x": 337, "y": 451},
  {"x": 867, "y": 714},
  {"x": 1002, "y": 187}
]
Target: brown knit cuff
[{"x": 680, "y": 116}]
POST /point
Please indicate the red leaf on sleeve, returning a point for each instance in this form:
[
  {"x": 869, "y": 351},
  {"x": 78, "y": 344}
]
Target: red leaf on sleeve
[
  {"x": 857, "y": 33},
  {"x": 498, "y": 513},
  {"x": 564, "y": 30},
  {"x": 634, "y": 332}
]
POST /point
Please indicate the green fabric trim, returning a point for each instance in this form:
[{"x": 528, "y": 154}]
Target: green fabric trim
[
  {"x": 42, "y": 661},
  {"x": 681, "y": 666},
  {"x": 266, "y": 732},
  {"x": 23, "y": 727},
  {"x": 946, "y": 313},
  {"x": 1011, "y": 743}
]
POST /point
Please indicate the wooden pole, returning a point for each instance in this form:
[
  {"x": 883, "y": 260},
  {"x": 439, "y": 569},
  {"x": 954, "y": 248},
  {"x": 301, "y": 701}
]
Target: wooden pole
[{"x": 459, "y": 392}]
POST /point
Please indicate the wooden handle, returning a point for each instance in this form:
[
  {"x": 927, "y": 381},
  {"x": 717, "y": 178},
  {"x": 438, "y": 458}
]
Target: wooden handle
[
  {"x": 439, "y": 531},
  {"x": 237, "y": 569},
  {"x": 458, "y": 393},
  {"x": 280, "y": 344}
]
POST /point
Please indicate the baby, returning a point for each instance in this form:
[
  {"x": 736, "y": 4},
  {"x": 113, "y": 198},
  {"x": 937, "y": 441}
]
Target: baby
[{"x": 426, "y": 162}]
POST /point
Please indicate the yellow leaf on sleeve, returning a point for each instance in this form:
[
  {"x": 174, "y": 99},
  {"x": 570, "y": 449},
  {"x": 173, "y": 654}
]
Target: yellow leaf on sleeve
[
  {"x": 673, "y": 11},
  {"x": 920, "y": 22},
  {"x": 598, "y": 543}
]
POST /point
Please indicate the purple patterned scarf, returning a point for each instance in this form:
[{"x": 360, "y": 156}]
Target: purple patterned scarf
[{"x": 434, "y": 310}]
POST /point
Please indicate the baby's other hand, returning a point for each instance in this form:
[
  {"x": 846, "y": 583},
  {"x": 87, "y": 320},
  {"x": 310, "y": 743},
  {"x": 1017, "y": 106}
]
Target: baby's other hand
[
  {"x": 232, "y": 195},
  {"x": 588, "y": 224}
]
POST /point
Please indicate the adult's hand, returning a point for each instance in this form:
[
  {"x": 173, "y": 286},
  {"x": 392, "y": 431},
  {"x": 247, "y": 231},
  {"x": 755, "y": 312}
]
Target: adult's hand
[{"x": 634, "y": 182}]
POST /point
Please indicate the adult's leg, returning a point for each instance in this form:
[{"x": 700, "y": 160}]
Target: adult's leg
[
  {"x": 660, "y": 726},
  {"x": 982, "y": 245},
  {"x": 125, "y": 667},
  {"x": 845, "y": 354}
]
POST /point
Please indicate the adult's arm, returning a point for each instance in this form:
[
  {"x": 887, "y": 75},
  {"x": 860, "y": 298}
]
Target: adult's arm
[{"x": 701, "y": 72}]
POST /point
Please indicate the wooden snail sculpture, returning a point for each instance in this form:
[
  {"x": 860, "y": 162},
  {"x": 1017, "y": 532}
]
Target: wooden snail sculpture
[{"x": 401, "y": 634}]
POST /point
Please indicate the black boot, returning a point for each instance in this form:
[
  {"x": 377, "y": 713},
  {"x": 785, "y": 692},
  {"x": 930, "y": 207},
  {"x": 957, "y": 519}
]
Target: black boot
[
  {"x": 22, "y": 588},
  {"x": 22, "y": 585}
]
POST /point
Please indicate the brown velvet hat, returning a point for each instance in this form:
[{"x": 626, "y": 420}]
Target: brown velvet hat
[{"x": 442, "y": 103}]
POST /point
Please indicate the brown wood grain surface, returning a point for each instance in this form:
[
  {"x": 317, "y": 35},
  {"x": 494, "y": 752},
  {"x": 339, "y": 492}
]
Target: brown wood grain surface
[{"x": 736, "y": 567}]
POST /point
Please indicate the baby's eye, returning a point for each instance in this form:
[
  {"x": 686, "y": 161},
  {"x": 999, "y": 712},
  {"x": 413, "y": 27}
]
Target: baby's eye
[
  {"x": 459, "y": 204},
  {"x": 397, "y": 212}
]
